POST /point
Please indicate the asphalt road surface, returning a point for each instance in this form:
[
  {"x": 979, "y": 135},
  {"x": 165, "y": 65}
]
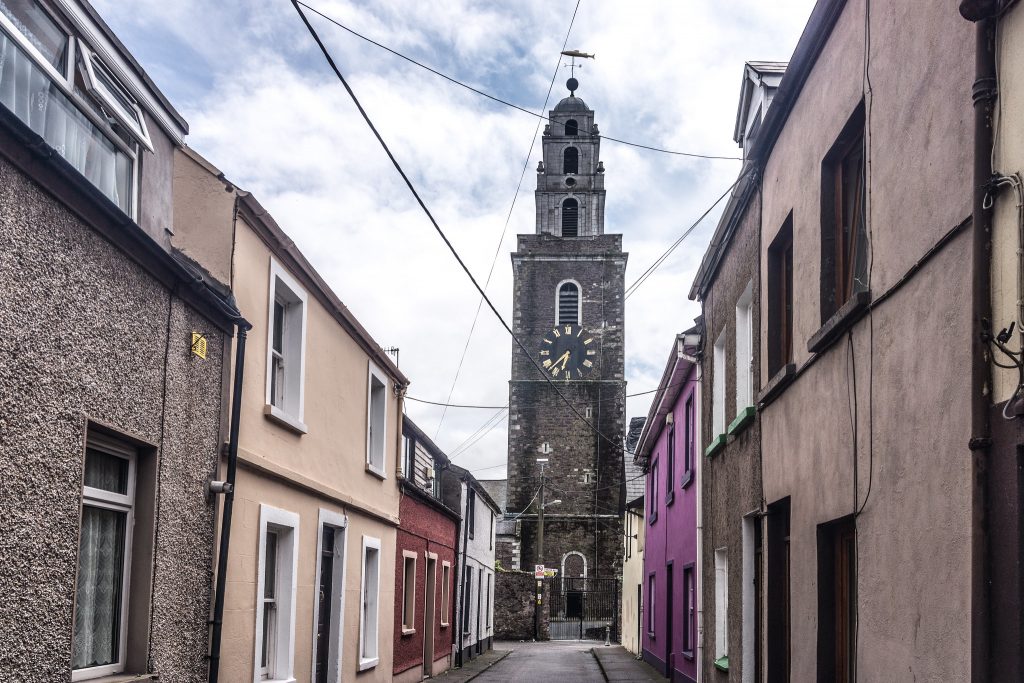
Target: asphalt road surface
[{"x": 565, "y": 661}]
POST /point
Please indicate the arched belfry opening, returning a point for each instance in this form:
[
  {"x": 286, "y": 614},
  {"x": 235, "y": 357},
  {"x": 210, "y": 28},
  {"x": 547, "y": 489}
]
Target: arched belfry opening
[
  {"x": 570, "y": 218},
  {"x": 572, "y": 128},
  {"x": 568, "y": 304},
  {"x": 571, "y": 160}
]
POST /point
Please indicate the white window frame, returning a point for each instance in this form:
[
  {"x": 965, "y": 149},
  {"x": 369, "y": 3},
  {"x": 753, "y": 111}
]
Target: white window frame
[
  {"x": 446, "y": 592},
  {"x": 65, "y": 82},
  {"x": 718, "y": 395},
  {"x": 100, "y": 498},
  {"x": 579, "y": 303},
  {"x": 132, "y": 120},
  {"x": 409, "y": 602},
  {"x": 744, "y": 349},
  {"x": 373, "y": 372},
  {"x": 291, "y": 415},
  {"x": 369, "y": 542},
  {"x": 286, "y": 524},
  {"x": 488, "y": 603},
  {"x": 334, "y": 655},
  {"x": 748, "y": 599},
  {"x": 721, "y": 603}
]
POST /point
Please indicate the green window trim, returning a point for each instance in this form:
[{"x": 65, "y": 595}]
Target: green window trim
[
  {"x": 743, "y": 418},
  {"x": 715, "y": 445},
  {"x": 722, "y": 663}
]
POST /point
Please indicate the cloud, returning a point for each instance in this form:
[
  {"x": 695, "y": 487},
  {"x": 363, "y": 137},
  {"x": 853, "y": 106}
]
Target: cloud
[{"x": 264, "y": 107}]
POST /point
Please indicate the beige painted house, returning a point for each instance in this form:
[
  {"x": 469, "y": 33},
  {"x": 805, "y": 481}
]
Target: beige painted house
[{"x": 310, "y": 579}]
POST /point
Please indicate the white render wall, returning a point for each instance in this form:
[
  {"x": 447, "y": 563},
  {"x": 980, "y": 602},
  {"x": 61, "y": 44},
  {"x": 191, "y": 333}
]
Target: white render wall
[{"x": 479, "y": 561}]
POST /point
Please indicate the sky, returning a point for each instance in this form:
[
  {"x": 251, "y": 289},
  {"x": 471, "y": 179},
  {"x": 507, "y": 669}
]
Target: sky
[{"x": 263, "y": 106}]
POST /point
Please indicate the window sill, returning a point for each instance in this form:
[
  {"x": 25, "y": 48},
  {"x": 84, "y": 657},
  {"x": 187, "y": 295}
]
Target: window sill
[
  {"x": 652, "y": 518},
  {"x": 408, "y": 631},
  {"x": 123, "y": 678},
  {"x": 275, "y": 414},
  {"x": 688, "y": 654},
  {"x": 715, "y": 446},
  {"x": 776, "y": 384},
  {"x": 744, "y": 418},
  {"x": 670, "y": 498},
  {"x": 379, "y": 473},
  {"x": 365, "y": 664},
  {"x": 722, "y": 663},
  {"x": 687, "y": 479},
  {"x": 444, "y": 625},
  {"x": 839, "y": 322}
]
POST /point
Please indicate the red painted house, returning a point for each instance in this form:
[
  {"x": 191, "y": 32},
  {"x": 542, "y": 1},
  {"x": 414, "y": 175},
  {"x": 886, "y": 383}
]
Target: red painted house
[{"x": 425, "y": 563}]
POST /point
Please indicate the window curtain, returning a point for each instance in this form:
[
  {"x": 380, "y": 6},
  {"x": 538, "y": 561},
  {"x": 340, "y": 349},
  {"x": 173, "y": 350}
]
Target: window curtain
[
  {"x": 100, "y": 580},
  {"x": 27, "y": 91}
]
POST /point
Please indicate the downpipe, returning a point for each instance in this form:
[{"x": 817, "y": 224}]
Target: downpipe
[
  {"x": 228, "y": 489},
  {"x": 983, "y": 13}
]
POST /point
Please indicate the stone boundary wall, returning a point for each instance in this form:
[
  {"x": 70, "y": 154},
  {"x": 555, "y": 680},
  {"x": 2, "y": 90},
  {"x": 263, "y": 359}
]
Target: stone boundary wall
[{"x": 514, "y": 597}]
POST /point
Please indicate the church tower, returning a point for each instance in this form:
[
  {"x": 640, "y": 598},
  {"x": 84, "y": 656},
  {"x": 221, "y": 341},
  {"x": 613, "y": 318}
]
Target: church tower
[{"x": 568, "y": 310}]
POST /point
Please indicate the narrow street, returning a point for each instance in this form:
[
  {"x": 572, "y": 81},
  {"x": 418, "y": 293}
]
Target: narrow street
[{"x": 565, "y": 661}]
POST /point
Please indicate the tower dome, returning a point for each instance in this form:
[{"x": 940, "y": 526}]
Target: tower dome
[{"x": 571, "y": 103}]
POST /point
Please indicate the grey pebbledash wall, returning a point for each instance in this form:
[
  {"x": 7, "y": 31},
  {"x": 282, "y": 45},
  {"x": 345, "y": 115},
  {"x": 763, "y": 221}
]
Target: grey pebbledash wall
[
  {"x": 514, "y": 606},
  {"x": 88, "y": 336}
]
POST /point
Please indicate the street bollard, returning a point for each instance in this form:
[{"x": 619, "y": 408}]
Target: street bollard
[{"x": 607, "y": 635}]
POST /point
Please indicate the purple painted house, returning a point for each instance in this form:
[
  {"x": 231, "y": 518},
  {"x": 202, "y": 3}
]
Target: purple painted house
[{"x": 668, "y": 451}]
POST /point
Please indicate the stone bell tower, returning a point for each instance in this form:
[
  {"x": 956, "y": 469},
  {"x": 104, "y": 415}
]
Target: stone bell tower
[{"x": 568, "y": 309}]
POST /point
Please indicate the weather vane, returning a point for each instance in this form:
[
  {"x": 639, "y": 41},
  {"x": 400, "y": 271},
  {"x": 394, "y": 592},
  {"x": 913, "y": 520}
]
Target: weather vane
[{"x": 572, "y": 83}]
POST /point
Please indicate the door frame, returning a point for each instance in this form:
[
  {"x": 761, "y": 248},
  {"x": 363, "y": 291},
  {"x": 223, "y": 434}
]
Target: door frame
[
  {"x": 340, "y": 522},
  {"x": 429, "y": 610}
]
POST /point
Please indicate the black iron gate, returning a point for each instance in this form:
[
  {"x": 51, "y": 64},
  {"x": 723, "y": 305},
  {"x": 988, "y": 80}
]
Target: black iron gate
[{"x": 583, "y": 608}]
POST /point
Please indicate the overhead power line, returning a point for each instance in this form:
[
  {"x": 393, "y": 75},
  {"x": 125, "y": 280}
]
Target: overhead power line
[
  {"x": 493, "y": 98},
  {"x": 508, "y": 219},
  {"x": 440, "y": 231},
  {"x": 495, "y": 407},
  {"x": 686, "y": 233}
]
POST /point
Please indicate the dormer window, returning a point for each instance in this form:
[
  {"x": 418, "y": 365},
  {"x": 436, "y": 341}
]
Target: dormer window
[
  {"x": 47, "y": 87},
  {"x": 571, "y": 160},
  {"x": 570, "y": 218},
  {"x": 572, "y": 128}
]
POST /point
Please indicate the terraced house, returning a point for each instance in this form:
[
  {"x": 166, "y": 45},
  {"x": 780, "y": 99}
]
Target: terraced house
[
  {"x": 114, "y": 359},
  {"x": 308, "y": 578}
]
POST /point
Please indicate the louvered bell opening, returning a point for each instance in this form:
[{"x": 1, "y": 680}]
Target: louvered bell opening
[
  {"x": 568, "y": 304},
  {"x": 570, "y": 218},
  {"x": 571, "y": 160},
  {"x": 572, "y": 128}
]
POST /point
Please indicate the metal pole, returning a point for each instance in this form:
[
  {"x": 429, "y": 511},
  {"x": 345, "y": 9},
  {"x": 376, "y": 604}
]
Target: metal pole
[{"x": 540, "y": 559}]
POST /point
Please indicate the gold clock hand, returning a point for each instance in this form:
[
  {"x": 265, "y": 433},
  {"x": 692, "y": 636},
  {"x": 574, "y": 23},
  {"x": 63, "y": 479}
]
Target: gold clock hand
[{"x": 558, "y": 360}]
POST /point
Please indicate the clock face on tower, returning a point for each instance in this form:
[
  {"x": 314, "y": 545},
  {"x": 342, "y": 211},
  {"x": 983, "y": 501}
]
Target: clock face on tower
[{"x": 568, "y": 352}]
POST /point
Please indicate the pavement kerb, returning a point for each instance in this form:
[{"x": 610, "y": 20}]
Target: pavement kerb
[
  {"x": 599, "y": 664},
  {"x": 506, "y": 653}
]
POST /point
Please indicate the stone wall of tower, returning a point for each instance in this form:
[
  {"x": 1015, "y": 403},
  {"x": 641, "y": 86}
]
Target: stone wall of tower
[{"x": 584, "y": 469}]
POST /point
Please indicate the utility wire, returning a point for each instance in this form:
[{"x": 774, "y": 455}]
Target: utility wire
[
  {"x": 508, "y": 219},
  {"x": 440, "y": 232},
  {"x": 686, "y": 233},
  {"x": 466, "y": 445},
  {"x": 603, "y": 400},
  {"x": 492, "y": 97}
]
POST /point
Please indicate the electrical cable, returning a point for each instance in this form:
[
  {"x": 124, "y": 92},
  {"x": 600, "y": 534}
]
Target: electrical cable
[
  {"x": 437, "y": 226},
  {"x": 498, "y": 99},
  {"x": 485, "y": 427},
  {"x": 508, "y": 219},
  {"x": 466, "y": 447},
  {"x": 496, "y": 407},
  {"x": 686, "y": 233}
]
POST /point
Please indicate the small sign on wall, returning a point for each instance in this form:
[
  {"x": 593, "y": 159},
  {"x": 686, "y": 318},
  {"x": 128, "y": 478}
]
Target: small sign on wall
[
  {"x": 199, "y": 345},
  {"x": 538, "y": 571}
]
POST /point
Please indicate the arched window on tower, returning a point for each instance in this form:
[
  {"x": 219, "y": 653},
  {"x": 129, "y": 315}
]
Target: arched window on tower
[
  {"x": 568, "y": 304},
  {"x": 571, "y": 160},
  {"x": 572, "y": 128},
  {"x": 570, "y": 218}
]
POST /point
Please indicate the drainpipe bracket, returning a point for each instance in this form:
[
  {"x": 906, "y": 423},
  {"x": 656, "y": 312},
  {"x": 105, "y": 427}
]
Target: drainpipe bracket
[{"x": 979, "y": 443}]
